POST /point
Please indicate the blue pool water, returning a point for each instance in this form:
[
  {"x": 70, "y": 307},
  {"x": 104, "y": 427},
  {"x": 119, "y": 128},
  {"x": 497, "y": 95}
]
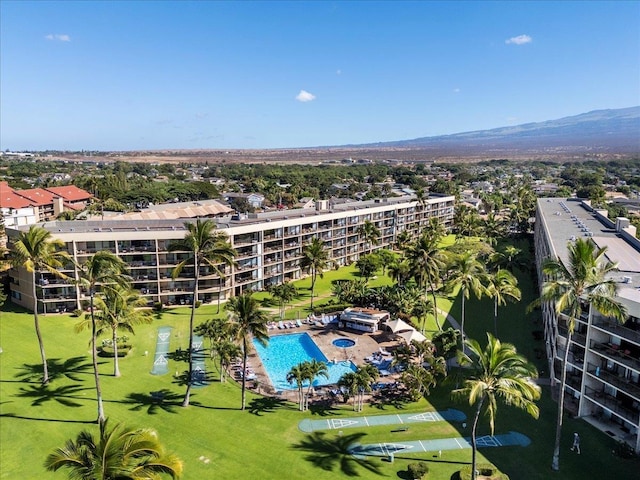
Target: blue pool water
[{"x": 286, "y": 351}]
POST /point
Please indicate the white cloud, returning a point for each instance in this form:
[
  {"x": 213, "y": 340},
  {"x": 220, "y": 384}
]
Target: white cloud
[
  {"x": 305, "y": 96},
  {"x": 58, "y": 37},
  {"x": 519, "y": 40}
]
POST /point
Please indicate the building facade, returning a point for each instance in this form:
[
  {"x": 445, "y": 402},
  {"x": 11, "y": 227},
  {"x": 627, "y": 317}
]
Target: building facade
[
  {"x": 603, "y": 371},
  {"x": 269, "y": 249}
]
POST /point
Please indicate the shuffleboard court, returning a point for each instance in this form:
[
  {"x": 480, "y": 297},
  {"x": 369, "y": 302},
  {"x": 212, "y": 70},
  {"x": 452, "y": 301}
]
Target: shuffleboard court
[
  {"x": 199, "y": 373},
  {"x": 161, "y": 359},
  {"x": 308, "y": 425},
  {"x": 455, "y": 443}
]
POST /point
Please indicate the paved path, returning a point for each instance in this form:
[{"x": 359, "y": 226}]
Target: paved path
[
  {"x": 455, "y": 443},
  {"x": 308, "y": 425}
]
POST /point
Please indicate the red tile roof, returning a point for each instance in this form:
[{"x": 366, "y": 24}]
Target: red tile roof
[
  {"x": 70, "y": 193},
  {"x": 10, "y": 199},
  {"x": 39, "y": 196}
]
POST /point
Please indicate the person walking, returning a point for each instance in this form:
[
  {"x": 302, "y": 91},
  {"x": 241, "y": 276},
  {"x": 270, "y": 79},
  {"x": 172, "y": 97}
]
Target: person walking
[{"x": 576, "y": 443}]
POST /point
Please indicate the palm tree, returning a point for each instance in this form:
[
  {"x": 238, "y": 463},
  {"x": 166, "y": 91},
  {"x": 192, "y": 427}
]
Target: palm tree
[
  {"x": 284, "y": 293},
  {"x": 369, "y": 233},
  {"x": 510, "y": 258},
  {"x": 206, "y": 247},
  {"x": 467, "y": 273},
  {"x": 251, "y": 321},
  {"x": 496, "y": 373},
  {"x": 315, "y": 259},
  {"x": 118, "y": 454},
  {"x": 107, "y": 271},
  {"x": 427, "y": 261},
  {"x": 348, "y": 384},
  {"x": 312, "y": 370},
  {"x": 365, "y": 376},
  {"x": 503, "y": 286},
  {"x": 118, "y": 309},
  {"x": 227, "y": 352},
  {"x": 403, "y": 240},
  {"x": 36, "y": 250},
  {"x": 583, "y": 279},
  {"x": 418, "y": 381},
  {"x": 400, "y": 271},
  {"x": 298, "y": 375}
]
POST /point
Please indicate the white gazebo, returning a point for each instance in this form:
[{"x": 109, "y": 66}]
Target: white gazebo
[
  {"x": 397, "y": 325},
  {"x": 411, "y": 335}
]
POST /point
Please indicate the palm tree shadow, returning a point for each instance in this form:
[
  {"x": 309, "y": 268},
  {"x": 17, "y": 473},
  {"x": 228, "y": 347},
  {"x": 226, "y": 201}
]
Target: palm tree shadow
[
  {"x": 261, "y": 405},
  {"x": 331, "y": 453},
  {"x": 322, "y": 409},
  {"x": 154, "y": 402},
  {"x": 71, "y": 368},
  {"x": 64, "y": 394}
]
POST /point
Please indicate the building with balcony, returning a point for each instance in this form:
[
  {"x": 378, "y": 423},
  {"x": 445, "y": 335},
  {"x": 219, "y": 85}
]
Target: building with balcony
[
  {"x": 603, "y": 370},
  {"x": 268, "y": 245}
]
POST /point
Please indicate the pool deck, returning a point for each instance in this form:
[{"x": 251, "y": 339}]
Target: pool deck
[{"x": 366, "y": 345}]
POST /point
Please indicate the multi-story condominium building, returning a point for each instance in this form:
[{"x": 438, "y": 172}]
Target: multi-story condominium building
[
  {"x": 603, "y": 376},
  {"x": 40, "y": 204},
  {"x": 269, "y": 249}
]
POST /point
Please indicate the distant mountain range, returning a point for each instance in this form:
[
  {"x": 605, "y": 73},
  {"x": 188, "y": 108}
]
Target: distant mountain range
[{"x": 599, "y": 131}]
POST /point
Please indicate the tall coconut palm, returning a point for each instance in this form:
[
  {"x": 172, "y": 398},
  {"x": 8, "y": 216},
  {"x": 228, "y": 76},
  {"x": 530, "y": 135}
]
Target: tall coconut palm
[
  {"x": 312, "y": 370},
  {"x": 365, "y": 376},
  {"x": 494, "y": 373},
  {"x": 427, "y": 261},
  {"x": 106, "y": 271},
  {"x": 583, "y": 279},
  {"x": 252, "y": 321},
  {"x": 227, "y": 353},
  {"x": 117, "y": 310},
  {"x": 298, "y": 375},
  {"x": 119, "y": 453},
  {"x": 369, "y": 233},
  {"x": 205, "y": 247},
  {"x": 36, "y": 250},
  {"x": 315, "y": 259},
  {"x": 348, "y": 384},
  {"x": 503, "y": 286},
  {"x": 467, "y": 273}
]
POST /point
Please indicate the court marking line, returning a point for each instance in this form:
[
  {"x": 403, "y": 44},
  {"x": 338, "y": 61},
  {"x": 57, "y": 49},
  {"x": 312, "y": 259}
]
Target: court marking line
[
  {"x": 456, "y": 440},
  {"x": 366, "y": 421},
  {"x": 422, "y": 446},
  {"x": 400, "y": 418}
]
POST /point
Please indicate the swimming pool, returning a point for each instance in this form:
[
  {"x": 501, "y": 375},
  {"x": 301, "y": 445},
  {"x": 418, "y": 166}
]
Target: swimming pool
[{"x": 286, "y": 351}]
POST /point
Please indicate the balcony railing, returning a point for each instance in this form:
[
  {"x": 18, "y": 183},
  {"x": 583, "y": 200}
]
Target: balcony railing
[
  {"x": 618, "y": 330},
  {"x": 613, "y": 404},
  {"x": 620, "y": 382}
]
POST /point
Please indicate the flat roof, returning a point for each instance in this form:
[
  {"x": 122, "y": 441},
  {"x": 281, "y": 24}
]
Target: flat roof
[
  {"x": 568, "y": 220},
  {"x": 116, "y": 224}
]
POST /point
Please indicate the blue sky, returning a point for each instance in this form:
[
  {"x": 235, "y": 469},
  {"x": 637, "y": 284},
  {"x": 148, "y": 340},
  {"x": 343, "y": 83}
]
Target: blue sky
[{"x": 156, "y": 75}]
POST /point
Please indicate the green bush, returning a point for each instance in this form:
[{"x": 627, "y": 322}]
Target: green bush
[
  {"x": 158, "y": 307},
  {"x": 77, "y": 313},
  {"x": 198, "y": 303},
  {"x": 107, "y": 350},
  {"x": 418, "y": 470},
  {"x": 488, "y": 471},
  {"x": 330, "y": 308}
]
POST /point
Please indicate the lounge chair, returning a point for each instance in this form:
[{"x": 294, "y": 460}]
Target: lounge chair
[
  {"x": 384, "y": 352},
  {"x": 298, "y": 323},
  {"x": 281, "y": 325}
]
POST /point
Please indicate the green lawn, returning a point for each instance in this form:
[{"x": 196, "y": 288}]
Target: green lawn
[{"x": 260, "y": 442}]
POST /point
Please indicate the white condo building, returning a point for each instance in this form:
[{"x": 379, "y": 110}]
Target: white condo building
[
  {"x": 603, "y": 377},
  {"x": 269, "y": 248}
]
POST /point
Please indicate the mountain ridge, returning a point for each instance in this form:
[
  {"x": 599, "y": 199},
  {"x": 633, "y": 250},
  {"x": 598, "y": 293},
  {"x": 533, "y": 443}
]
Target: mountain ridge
[{"x": 604, "y": 130}]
